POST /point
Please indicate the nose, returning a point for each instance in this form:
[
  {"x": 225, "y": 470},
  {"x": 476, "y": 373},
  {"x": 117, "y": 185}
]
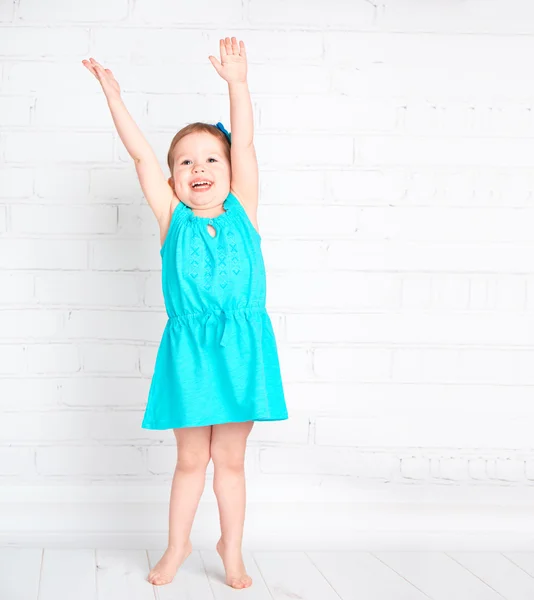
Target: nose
[{"x": 197, "y": 167}]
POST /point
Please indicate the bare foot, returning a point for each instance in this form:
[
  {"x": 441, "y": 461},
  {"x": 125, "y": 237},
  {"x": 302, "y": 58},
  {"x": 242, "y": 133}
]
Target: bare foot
[
  {"x": 168, "y": 564},
  {"x": 236, "y": 575}
]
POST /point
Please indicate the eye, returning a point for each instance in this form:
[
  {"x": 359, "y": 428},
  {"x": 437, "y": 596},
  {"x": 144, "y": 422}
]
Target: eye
[
  {"x": 213, "y": 159},
  {"x": 186, "y": 160}
]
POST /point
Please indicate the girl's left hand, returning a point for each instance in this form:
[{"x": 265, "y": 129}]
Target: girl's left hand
[{"x": 234, "y": 61}]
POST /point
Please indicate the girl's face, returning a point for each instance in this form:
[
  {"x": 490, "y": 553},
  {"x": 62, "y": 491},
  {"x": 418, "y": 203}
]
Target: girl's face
[{"x": 200, "y": 157}]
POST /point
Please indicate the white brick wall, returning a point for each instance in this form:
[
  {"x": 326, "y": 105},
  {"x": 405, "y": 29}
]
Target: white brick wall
[{"x": 395, "y": 142}]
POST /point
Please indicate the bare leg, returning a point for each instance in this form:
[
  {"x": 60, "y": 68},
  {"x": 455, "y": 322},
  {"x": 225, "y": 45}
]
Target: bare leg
[
  {"x": 228, "y": 445},
  {"x": 193, "y": 445}
]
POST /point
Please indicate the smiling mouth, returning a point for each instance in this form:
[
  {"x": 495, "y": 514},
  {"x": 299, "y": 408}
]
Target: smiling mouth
[{"x": 202, "y": 185}]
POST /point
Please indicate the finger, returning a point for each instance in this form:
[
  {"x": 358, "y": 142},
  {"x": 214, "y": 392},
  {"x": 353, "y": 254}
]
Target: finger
[
  {"x": 97, "y": 64},
  {"x": 242, "y": 50},
  {"x": 228, "y": 46},
  {"x": 222, "y": 48},
  {"x": 215, "y": 63},
  {"x": 94, "y": 64},
  {"x": 235, "y": 46},
  {"x": 89, "y": 67}
]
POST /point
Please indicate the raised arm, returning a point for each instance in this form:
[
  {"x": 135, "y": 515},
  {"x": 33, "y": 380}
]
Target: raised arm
[
  {"x": 154, "y": 184},
  {"x": 233, "y": 69}
]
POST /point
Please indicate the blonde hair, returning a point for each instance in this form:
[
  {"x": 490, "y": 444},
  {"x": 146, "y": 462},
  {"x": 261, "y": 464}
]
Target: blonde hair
[{"x": 195, "y": 128}]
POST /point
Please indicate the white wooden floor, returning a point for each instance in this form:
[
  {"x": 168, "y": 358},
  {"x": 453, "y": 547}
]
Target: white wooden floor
[{"x": 54, "y": 574}]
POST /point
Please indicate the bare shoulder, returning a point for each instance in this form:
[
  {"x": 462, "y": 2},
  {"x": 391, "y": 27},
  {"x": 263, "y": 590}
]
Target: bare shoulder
[{"x": 250, "y": 206}]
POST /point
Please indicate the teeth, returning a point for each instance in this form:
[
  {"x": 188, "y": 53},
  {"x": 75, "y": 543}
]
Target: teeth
[{"x": 200, "y": 183}]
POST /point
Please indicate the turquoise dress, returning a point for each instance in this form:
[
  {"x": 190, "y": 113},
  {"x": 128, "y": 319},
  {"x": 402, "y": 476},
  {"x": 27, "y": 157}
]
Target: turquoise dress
[{"x": 217, "y": 361}]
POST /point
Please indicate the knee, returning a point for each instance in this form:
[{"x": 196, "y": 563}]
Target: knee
[
  {"x": 227, "y": 459},
  {"x": 193, "y": 461}
]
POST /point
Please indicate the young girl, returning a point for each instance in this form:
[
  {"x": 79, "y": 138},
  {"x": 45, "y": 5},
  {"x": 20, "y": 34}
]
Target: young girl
[{"x": 217, "y": 368}]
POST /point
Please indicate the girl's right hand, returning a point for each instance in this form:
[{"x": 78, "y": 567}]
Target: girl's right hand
[{"x": 105, "y": 77}]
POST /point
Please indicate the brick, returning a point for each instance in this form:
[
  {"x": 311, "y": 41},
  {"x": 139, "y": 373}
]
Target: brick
[
  {"x": 478, "y": 469},
  {"x": 294, "y": 430},
  {"x": 428, "y": 430},
  {"x": 285, "y": 186},
  {"x": 76, "y": 461},
  {"x": 512, "y": 17},
  {"x": 376, "y": 186},
  {"x": 115, "y": 185},
  {"x": 283, "y": 46},
  {"x": 306, "y": 79},
  {"x": 64, "y": 11},
  {"x": 79, "y": 426},
  {"x": 453, "y": 468},
  {"x": 87, "y": 288},
  {"x": 338, "y": 114},
  {"x": 153, "y": 293},
  {"x": 296, "y": 364},
  {"x": 339, "y": 14},
  {"x": 469, "y": 83},
  {"x": 334, "y": 290},
  {"x": 3, "y": 219},
  {"x": 17, "y": 461},
  {"x": 450, "y": 292},
  {"x": 501, "y": 293},
  {"x": 32, "y": 42},
  {"x": 16, "y": 288},
  {"x": 326, "y": 461},
  {"x": 109, "y": 358},
  {"x": 29, "y": 323},
  {"x": 12, "y": 358},
  {"x": 415, "y": 467},
  {"x": 416, "y": 292},
  {"x": 62, "y": 182},
  {"x": 148, "y": 45},
  {"x": 135, "y": 220},
  {"x": 58, "y": 146},
  {"x": 451, "y": 224},
  {"x": 95, "y": 391},
  {"x": 147, "y": 360},
  {"x": 164, "y": 110},
  {"x": 43, "y": 254},
  {"x": 480, "y": 366},
  {"x": 509, "y": 469},
  {"x": 384, "y": 150},
  {"x": 16, "y": 110},
  {"x": 7, "y": 11},
  {"x": 28, "y": 392},
  {"x": 84, "y": 111},
  {"x": 168, "y": 12},
  {"x": 461, "y": 257},
  {"x": 188, "y": 79},
  {"x": 304, "y": 150},
  {"x": 292, "y": 255},
  {"x": 159, "y": 142},
  {"x": 53, "y": 358},
  {"x": 49, "y": 77},
  {"x": 340, "y": 364},
  {"x": 114, "y": 325},
  {"x": 52, "y": 219},
  {"x": 16, "y": 182},
  {"x": 124, "y": 255}
]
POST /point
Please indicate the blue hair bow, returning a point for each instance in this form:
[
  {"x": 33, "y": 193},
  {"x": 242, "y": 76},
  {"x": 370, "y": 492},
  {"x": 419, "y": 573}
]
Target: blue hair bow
[{"x": 226, "y": 133}]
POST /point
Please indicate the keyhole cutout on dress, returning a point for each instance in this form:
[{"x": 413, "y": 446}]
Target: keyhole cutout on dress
[{"x": 210, "y": 229}]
